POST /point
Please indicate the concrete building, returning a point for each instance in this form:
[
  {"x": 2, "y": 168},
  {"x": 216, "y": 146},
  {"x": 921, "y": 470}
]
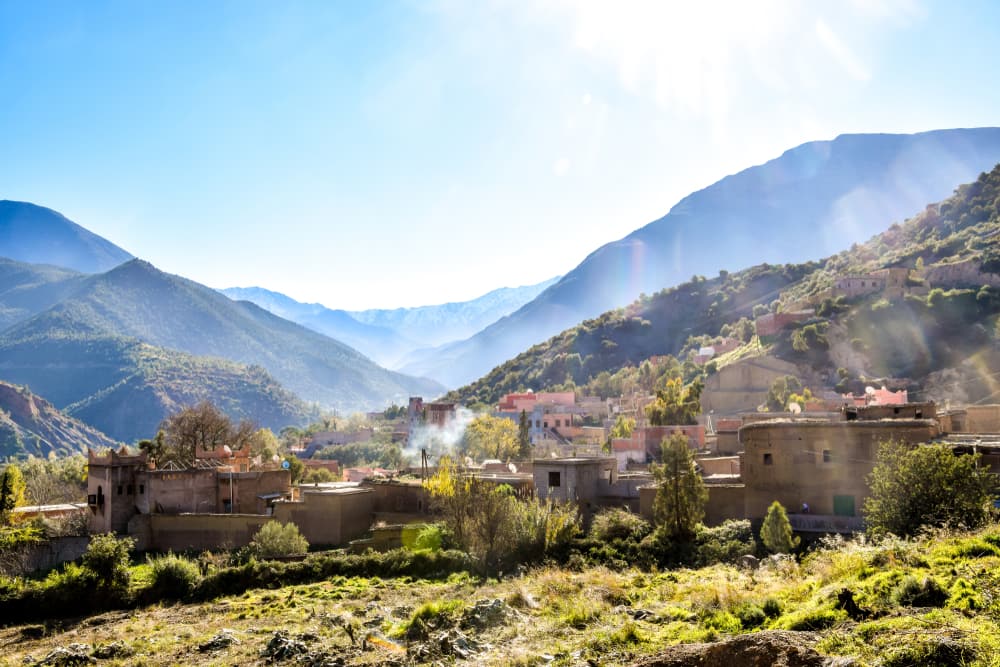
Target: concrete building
[{"x": 329, "y": 516}]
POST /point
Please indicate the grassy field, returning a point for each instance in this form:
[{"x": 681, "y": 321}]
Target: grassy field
[{"x": 929, "y": 602}]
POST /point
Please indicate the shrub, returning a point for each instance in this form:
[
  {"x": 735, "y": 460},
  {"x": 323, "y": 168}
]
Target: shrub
[
  {"x": 772, "y": 608},
  {"x": 107, "y": 557},
  {"x": 173, "y": 577},
  {"x": 619, "y": 524},
  {"x": 276, "y": 539},
  {"x": 724, "y": 544},
  {"x": 751, "y": 616},
  {"x": 912, "y": 593},
  {"x": 776, "y": 533}
]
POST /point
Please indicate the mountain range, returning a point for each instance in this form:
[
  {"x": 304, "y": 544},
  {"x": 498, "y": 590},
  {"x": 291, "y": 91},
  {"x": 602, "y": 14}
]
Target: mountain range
[
  {"x": 390, "y": 336},
  {"x": 813, "y": 200}
]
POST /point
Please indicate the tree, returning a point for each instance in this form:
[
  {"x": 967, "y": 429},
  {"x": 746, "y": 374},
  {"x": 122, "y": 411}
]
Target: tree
[
  {"x": 676, "y": 403},
  {"x": 489, "y": 437},
  {"x": 781, "y": 391},
  {"x": 523, "y": 437},
  {"x": 108, "y": 558},
  {"x": 776, "y": 533},
  {"x": 12, "y": 488},
  {"x": 199, "y": 427},
  {"x": 295, "y": 467},
  {"x": 680, "y": 496},
  {"x": 276, "y": 539},
  {"x": 264, "y": 444},
  {"x": 926, "y": 485}
]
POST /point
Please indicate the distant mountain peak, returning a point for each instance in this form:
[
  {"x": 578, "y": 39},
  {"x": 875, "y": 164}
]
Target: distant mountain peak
[{"x": 38, "y": 235}]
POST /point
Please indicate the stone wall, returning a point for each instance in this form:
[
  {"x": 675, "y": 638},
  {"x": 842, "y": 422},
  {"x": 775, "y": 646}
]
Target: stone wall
[{"x": 198, "y": 532}]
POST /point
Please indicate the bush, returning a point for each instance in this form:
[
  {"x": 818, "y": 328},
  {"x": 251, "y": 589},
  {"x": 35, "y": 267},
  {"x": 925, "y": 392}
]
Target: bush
[
  {"x": 617, "y": 524},
  {"x": 276, "y": 539},
  {"x": 107, "y": 557},
  {"x": 751, "y": 616},
  {"x": 772, "y": 608},
  {"x": 173, "y": 577},
  {"x": 912, "y": 593},
  {"x": 724, "y": 544}
]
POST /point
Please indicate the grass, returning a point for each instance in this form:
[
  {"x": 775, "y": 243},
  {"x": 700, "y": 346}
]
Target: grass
[{"x": 614, "y": 617}]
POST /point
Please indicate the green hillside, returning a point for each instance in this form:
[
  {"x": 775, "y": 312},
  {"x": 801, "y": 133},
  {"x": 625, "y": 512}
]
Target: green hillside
[
  {"x": 125, "y": 387},
  {"x": 940, "y": 335},
  {"x": 31, "y": 425},
  {"x": 135, "y": 300}
]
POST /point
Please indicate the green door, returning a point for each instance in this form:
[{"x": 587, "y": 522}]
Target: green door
[{"x": 843, "y": 505}]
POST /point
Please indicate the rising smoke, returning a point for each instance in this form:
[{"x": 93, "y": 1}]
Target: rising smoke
[{"x": 439, "y": 440}]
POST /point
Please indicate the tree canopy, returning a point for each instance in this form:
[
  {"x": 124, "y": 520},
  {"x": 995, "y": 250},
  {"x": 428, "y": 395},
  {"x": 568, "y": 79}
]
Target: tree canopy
[
  {"x": 198, "y": 427},
  {"x": 926, "y": 485},
  {"x": 676, "y": 403},
  {"x": 776, "y": 532},
  {"x": 489, "y": 437}
]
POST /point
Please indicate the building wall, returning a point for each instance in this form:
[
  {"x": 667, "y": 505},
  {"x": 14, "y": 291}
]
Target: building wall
[
  {"x": 174, "y": 492},
  {"x": 982, "y": 419},
  {"x": 578, "y": 478},
  {"x": 398, "y": 497},
  {"x": 111, "y": 485},
  {"x": 725, "y": 501},
  {"x": 197, "y": 532},
  {"x": 742, "y": 386},
  {"x": 812, "y": 462},
  {"x": 329, "y": 517}
]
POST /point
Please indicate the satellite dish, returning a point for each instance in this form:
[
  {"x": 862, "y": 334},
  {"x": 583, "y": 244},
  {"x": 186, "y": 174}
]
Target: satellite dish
[
  {"x": 869, "y": 390},
  {"x": 227, "y": 449},
  {"x": 469, "y": 462},
  {"x": 275, "y": 458},
  {"x": 794, "y": 408},
  {"x": 286, "y": 465},
  {"x": 511, "y": 467}
]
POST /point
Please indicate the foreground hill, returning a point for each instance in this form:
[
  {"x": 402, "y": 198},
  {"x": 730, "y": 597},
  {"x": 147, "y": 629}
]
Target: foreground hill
[
  {"x": 939, "y": 334},
  {"x": 137, "y": 301},
  {"x": 812, "y": 201},
  {"x": 31, "y": 425},
  {"x": 38, "y": 235},
  {"x": 894, "y": 603}
]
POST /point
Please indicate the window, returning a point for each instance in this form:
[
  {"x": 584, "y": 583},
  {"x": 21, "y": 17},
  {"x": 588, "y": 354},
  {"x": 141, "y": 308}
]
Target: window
[
  {"x": 555, "y": 479},
  {"x": 827, "y": 456},
  {"x": 546, "y": 424},
  {"x": 119, "y": 489},
  {"x": 130, "y": 489},
  {"x": 768, "y": 460},
  {"x": 142, "y": 489},
  {"x": 558, "y": 423}
]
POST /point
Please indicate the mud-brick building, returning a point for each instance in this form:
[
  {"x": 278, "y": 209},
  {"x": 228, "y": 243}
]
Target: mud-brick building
[{"x": 819, "y": 463}]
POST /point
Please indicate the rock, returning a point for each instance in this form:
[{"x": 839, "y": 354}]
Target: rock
[
  {"x": 224, "y": 639},
  {"x": 69, "y": 656},
  {"x": 117, "y": 649},
  {"x": 282, "y": 647},
  {"x": 772, "y": 648},
  {"x": 749, "y": 562},
  {"x": 486, "y": 614},
  {"x": 450, "y": 643}
]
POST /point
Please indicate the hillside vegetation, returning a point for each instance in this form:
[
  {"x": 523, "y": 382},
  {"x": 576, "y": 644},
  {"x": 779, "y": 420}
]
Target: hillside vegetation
[
  {"x": 126, "y": 388},
  {"x": 136, "y": 301},
  {"x": 30, "y": 425},
  {"x": 941, "y": 335},
  {"x": 929, "y": 602}
]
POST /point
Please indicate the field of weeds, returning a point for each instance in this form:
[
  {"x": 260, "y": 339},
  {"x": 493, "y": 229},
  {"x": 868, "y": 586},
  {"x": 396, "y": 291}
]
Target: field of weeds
[{"x": 934, "y": 601}]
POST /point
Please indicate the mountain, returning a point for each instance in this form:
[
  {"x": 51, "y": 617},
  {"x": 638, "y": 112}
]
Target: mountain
[
  {"x": 812, "y": 200},
  {"x": 28, "y": 289},
  {"x": 126, "y": 387},
  {"x": 31, "y": 425},
  {"x": 934, "y": 330},
  {"x": 398, "y": 336},
  {"x": 381, "y": 344},
  {"x": 38, "y": 235},
  {"x": 136, "y": 300},
  {"x": 448, "y": 322}
]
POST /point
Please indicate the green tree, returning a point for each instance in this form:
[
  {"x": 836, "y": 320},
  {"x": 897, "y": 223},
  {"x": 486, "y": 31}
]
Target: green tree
[
  {"x": 489, "y": 437},
  {"x": 926, "y": 485},
  {"x": 680, "y": 495},
  {"x": 675, "y": 403},
  {"x": 523, "y": 437},
  {"x": 781, "y": 391},
  {"x": 296, "y": 467},
  {"x": 776, "y": 533},
  {"x": 276, "y": 539},
  {"x": 12, "y": 488}
]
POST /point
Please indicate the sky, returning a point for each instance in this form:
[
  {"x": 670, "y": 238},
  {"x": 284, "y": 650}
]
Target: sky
[{"x": 385, "y": 154}]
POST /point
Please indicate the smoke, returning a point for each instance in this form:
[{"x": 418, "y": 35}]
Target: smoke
[{"x": 439, "y": 440}]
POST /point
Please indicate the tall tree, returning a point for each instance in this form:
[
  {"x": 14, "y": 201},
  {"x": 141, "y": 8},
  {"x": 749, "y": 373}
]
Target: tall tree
[
  {"x": 199, "y": 427},
  {"x": 11, "y": 491},
  {"x": 926, "y": 485},
  {"x": 523, "y": 437},
  {"x": 680, "y": 496}
]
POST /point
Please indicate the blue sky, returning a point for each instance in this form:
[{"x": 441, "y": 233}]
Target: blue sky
[{"x": 382, "y": 154}]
